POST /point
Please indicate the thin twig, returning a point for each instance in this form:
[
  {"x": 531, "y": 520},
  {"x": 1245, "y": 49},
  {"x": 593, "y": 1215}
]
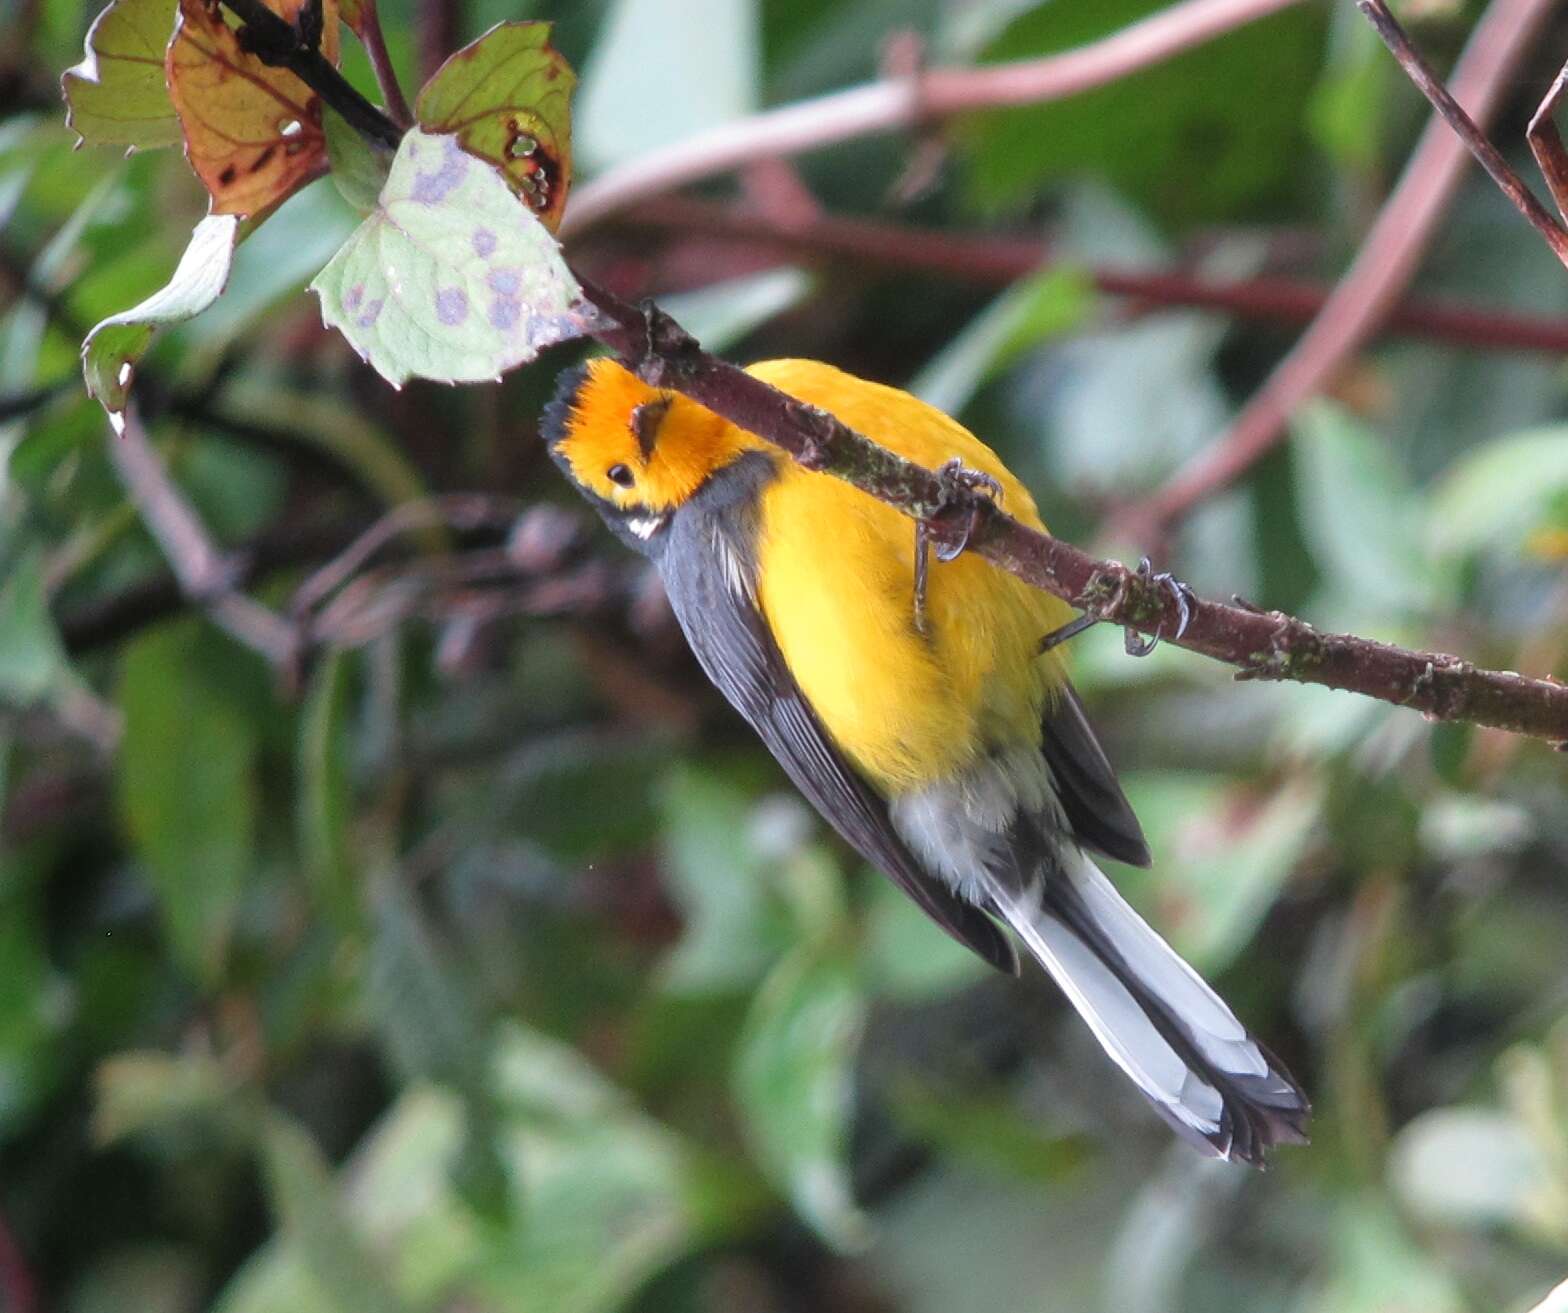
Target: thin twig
[
  {"x": 375, "y": 44},
  {"x": 1001, "y": 261},
  {"x": 1382, "y": 268},
  {"x": 457, "y": 510},
  {"x": 1490, "y": 158},
  {"x": 440, "y": 24},
  {"x": 277, "y": 43},
  {"x": 205, "y": 575},
  {"x": 894, "y": 104},
  {"x": 1546, "y": 143},
  {"x": 1265, "y": 645}
]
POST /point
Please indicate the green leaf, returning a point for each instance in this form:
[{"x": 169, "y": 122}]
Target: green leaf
[
  {"x": 140, "y": 1091},
  {"x": 723, "y": 313},
  {"x": 662, "y": 72},
  {"x": 906, "y": 957},
  {"x": 508, "y": 99},
  {"x": 186, "y": 789},
  {"x": 359, "y": 170},
  {"x": 117, "y": 94},
  {"x": 1222, "y": 856},
  {"x": 1475, "y": 1167},
  {"x": 1028, "y": 313},
  {"x": 110, "y": 353},
  {"x": 1498, "y": 494},
  {"x": 451, "y": 278},
  {"x": 305, "y": 1199},
  {"x": 1359, "y": 513},
  {"x": 1376, "y": 1268},
  {"x": 324, "y": 808},
  {"x": 794, "y": 1080},
  {"x": 720, "y": 881},
  {"x": 1210, "y": 134},
  {"x": 32, "y": 660},
  {"x": 604, "y": 1193}
]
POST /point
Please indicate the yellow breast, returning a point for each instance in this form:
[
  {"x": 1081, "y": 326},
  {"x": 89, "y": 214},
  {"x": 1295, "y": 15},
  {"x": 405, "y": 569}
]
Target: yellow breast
[{"x": 836, "y": 582}]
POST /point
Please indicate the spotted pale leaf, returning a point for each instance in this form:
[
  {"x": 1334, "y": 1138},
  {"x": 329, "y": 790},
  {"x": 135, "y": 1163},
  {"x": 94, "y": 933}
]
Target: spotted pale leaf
[
  {"x": 117, "y": 95},
  {"x": 451, "y": 277},
  {"x": 508, "y": 99},
  {"x": 253, "y": 134},
  {"x": 110, "y": 353}
]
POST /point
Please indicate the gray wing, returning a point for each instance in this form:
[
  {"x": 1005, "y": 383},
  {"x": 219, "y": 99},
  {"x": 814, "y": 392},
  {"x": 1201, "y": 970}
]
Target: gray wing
[
  {"x": 732, "y": 642},
  {"x": 1096, "y": 807}
]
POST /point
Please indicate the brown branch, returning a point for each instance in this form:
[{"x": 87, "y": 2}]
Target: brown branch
[
  {"x": 894, "y": 104},
  {"x": 1382, "y": 268},
  {"x": 205, "y": 575},
  {"x": 1001, "y": 261},
  {"x": 375, "y": 44},
  {"x": 1266, "y": 645},
  {"x": 1464, "y": 127}
]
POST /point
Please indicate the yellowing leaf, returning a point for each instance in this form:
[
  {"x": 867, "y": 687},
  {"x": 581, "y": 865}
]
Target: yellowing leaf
[
  {"x": 117, "y": 94},
  {"x": 507, "y": 98},
  {"x": 252, "y": 133},
  {"x": 451, "y": 277}
]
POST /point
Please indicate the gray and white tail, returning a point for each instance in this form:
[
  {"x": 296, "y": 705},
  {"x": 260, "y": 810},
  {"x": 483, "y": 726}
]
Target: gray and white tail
[{"x": 1216, "y": 1085}]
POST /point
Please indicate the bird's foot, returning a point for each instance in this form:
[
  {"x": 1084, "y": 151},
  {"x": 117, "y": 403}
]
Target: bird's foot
[
  {"x": 962, "y": 491},
  {"x": 1138, "y": 646}
]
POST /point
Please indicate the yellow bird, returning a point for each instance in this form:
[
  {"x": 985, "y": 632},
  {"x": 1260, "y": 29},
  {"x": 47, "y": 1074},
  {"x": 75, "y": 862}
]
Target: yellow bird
[{"x": 947, "y": 751}]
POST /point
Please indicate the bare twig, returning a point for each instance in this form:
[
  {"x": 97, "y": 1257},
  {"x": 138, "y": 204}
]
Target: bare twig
[
  {"x": 1001, "y": 260},
  {"x": 205, "y": 576},
  {"x": 458, "y": 510},
  {"x": 440, "y": 27},
  {"x": 381, "y": 64},
  {"x": 1490, "y": 158},
  {"x": 899, "y": 103},
  {"x": 1546, "y": 144},
  {"x": 1385, "y": 264}
]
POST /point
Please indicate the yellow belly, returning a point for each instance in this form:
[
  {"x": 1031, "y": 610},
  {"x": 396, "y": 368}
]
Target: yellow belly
[{"x": 836, "y": 582}]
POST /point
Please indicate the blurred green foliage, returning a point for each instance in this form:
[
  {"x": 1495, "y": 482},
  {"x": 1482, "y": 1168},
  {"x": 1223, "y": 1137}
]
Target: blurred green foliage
[{"x": 495, "y": 967}]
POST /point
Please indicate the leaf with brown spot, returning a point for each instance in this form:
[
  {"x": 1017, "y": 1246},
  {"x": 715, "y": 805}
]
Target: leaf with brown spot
[
  {"x": 507, "y": 98},
  {"x": 117, "y": 94},
  {"x": 252, "y": 133}
]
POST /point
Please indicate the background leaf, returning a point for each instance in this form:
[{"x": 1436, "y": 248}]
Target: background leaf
[
  {"x": 451, "y": 278},
  {"x": 187, "y": 790},
  {"x": 117, "y": 94},
  {"x": 507, "y": 99}
]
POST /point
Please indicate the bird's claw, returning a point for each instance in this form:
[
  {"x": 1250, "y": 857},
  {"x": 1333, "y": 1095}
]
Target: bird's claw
[
  {"x": 963, "y": 485},
  {"x": 960, "y": 487},
  {"x": 1138, "y": 646}
]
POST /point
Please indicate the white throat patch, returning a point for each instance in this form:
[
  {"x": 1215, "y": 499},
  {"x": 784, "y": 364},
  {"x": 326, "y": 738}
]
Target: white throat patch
[{"x": 645, "y": 526}]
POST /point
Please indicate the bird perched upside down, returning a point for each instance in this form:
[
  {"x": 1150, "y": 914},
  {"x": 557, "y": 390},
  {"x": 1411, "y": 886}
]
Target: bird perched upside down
[{"x": 949, "y": 752}]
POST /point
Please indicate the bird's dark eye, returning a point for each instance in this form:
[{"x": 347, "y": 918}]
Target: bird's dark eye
[{"x": 621, "y": 474}]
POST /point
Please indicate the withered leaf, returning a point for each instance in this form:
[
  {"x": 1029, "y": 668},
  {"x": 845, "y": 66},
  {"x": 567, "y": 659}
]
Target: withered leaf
[{"x": 252, "y": 133}]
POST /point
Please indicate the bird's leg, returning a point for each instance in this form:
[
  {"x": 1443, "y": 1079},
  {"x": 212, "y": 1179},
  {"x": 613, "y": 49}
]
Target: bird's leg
[
  {"x": 961, "y": 490},
  {"x": 1070, "y": 630},
  {"x": 1141, "y": 647}
]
